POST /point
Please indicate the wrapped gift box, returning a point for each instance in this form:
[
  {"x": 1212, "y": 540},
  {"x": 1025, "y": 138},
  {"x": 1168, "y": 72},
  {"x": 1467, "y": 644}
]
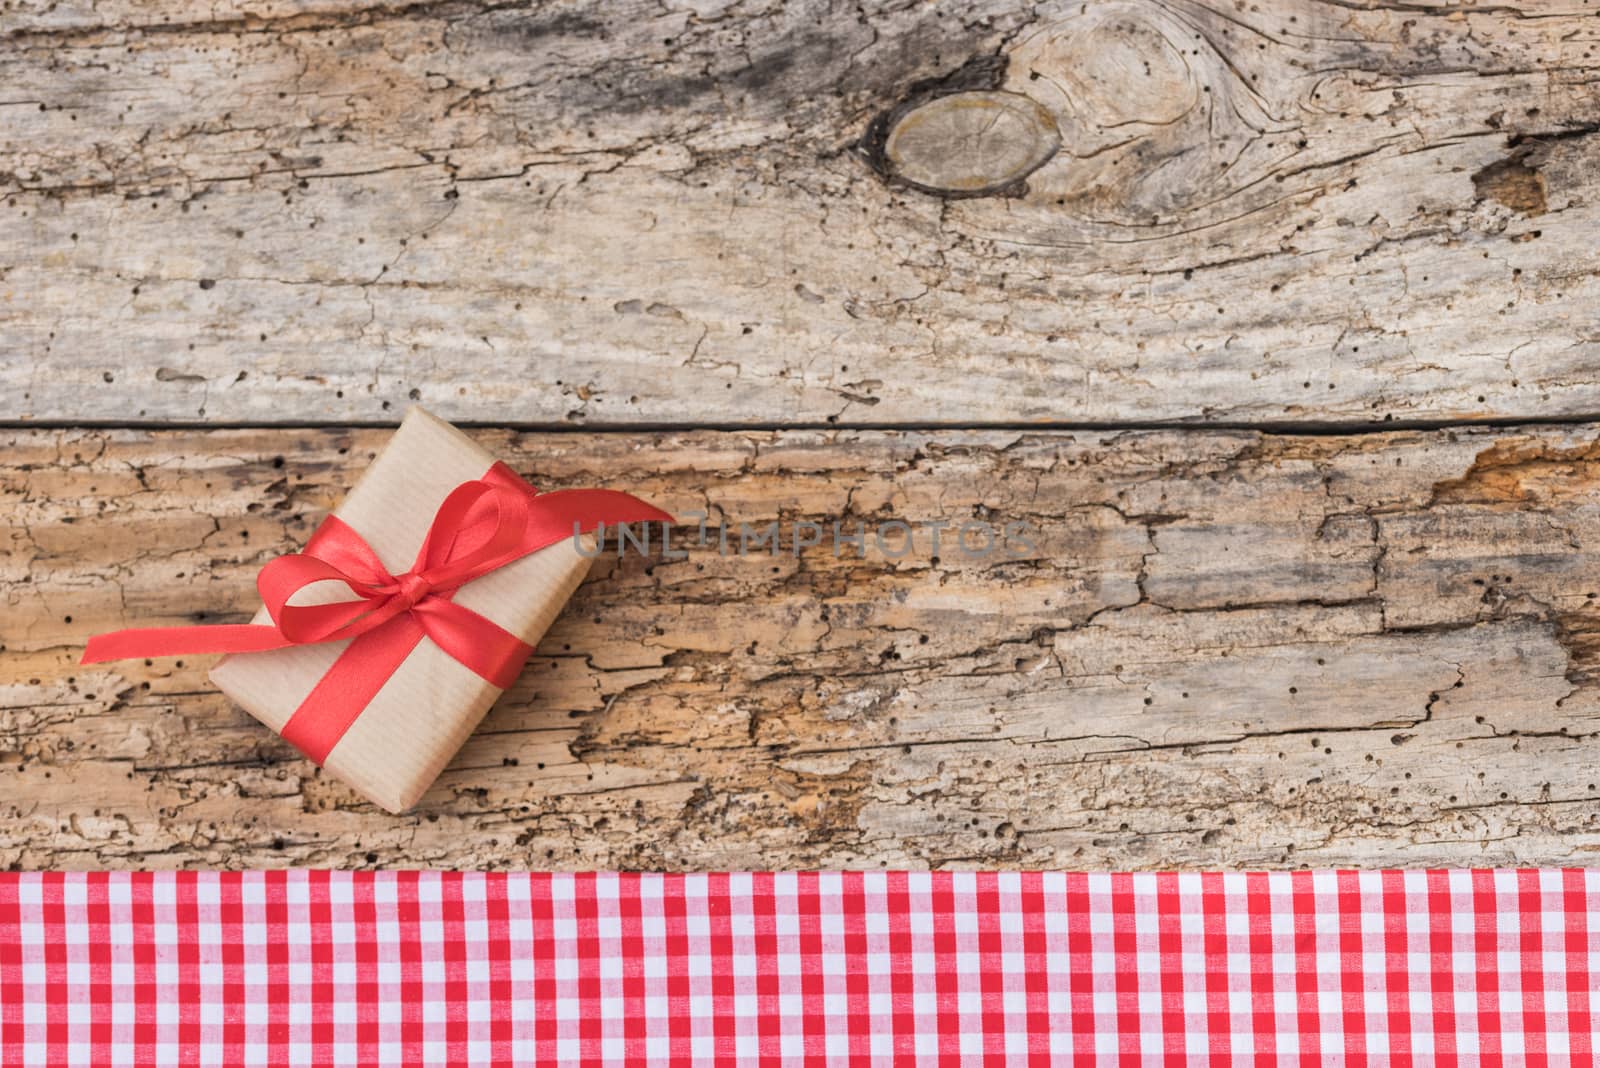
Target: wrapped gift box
[{"x": 407, "y": 733}]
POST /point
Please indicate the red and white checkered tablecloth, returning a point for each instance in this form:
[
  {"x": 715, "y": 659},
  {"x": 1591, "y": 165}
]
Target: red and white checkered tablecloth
[{"x": 313, "y": 968}]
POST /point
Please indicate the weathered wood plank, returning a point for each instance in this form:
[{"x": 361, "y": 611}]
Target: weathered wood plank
[
  {"x": 1224, "y": 649},
  {"x": 625, "y": 213}
]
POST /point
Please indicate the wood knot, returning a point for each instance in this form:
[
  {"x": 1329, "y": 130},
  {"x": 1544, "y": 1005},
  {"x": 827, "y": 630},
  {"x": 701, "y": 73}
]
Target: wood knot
[
  {"x": 1149, "y": 119},
  {"x": 960, "y": 136},
  {"x": 978, "y": 143}
]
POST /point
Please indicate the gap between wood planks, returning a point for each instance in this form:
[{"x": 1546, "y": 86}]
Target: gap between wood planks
[{"x": 1284, "y": 428}]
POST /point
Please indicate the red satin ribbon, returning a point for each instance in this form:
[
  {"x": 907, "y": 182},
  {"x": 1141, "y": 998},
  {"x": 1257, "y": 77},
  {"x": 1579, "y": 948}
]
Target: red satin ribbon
[{"x": 482, "y": 525}]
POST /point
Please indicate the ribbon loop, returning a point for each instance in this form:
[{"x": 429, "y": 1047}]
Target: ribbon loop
[{"x": 481, "y": 526}]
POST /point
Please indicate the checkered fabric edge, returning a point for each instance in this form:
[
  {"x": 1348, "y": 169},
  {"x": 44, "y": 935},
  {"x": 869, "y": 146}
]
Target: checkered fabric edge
[{"x": 325, "y": 968}]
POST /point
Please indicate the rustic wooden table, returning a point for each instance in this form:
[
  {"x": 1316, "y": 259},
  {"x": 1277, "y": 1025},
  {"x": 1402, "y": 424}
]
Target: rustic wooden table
[{"x": 1273, "y": 322}]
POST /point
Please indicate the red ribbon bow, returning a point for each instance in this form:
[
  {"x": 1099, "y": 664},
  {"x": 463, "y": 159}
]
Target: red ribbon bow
[{"x": 481, "y": 526}]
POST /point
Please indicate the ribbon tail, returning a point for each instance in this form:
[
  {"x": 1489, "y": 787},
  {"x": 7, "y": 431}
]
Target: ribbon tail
[
  {"x": 143, "y": 642},
  {"x": 568, "y": 513}
]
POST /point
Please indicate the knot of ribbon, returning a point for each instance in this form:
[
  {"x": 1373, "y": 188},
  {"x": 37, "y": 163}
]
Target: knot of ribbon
[
  {"x": 481, "y": 526},
  {"x": 411, "y": 588}
]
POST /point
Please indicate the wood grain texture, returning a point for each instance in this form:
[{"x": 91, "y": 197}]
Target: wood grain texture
[
  {"x": 620, "y": 213},
  {"x": 1227, "y": 649}
]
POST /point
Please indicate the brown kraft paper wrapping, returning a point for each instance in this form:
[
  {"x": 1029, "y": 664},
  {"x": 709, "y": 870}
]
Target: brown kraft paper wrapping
[{"x": 423, "y": 714}]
